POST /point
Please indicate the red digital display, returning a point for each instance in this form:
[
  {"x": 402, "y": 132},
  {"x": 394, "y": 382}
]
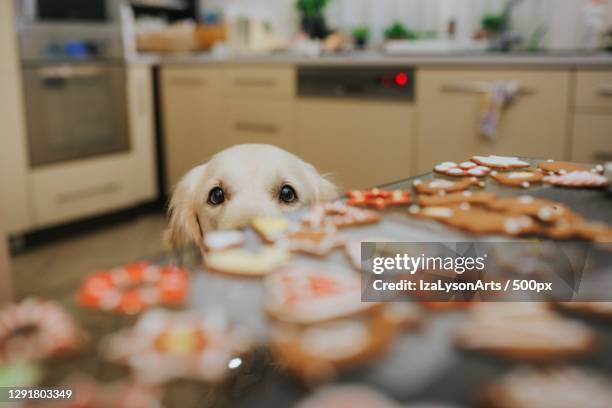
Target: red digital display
[{"x": 401, "y": 79}]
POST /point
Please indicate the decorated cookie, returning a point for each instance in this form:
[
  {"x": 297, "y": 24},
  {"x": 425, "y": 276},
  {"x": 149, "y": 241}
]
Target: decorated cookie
[
  {"x": 271, "y": 229},
  {"x": 339, "y": 215},
  {"x": 317, "y": 241},
  {"x": 465, "y": 169},
  {"x": 379, "y": 199},
  {"x": 316, "y": 352},
  {"x": 544, "y": 210},
  {"x": 164, "y": 346},
  {"x": 220, "y": 240},
  {"x": 559, "y": 167},
  {"x": 524, "y": 331},
  {"x": 481, "y": 221},
  {"x": 133, "y": 288},
  {"x": 452, "y": 199},
  {"x": 579, "y": 228},
  {"x": 440, "y": 213},
  {"x": 500, "y": 162},
  {"x": 35, "y": 329},
  {"x": 353, "y": 249},
  {"x": 577, "y": 179},
  {"x": 344, "y": 396},
  {"x": 314, "y": 293},
  {"x": 552, "y": 387},
  {"x": 595, "y": 309},
  {"x": 238, "y": 261},
  {"x": 441, "y": 186},
  {"x": 523, "y": 178}
]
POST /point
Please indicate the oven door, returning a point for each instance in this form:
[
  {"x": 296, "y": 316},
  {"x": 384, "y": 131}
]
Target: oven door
[{"x": 75, "y": 111}]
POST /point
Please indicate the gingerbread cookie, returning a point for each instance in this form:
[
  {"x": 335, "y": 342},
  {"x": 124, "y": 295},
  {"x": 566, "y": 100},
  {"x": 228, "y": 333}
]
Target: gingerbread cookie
[
  {"x": 596, "y": 309},
  {"x": 339, "y": 215},
  {"x": 310, "y": 293},
  {"x": 577, "y": 179},
  {"x": 465, "y": 169},
  {"x": 317, "y": 352},
  {"x": 439, "y": 213},
  {"x": 220, "y": 240},
  {"x": 480, "y": 221},
  {"x": 578, "y": 228},
  {"x": 441, "y": 186},
  {"x": 552, "y": 387},
  {"x": 524, "y": 178},
  {"x": 317, "y": 242},
  {"x": 271, "y": 229},
  {"x": 470, "y": 197},
  {"x": 35, "y": 329},
  {"x": 551, "y": 167},
  {"x": 247, "y": 263},
  {"x": 379, "y": 199},
  {"x": 524, "y": 331},
  {"x": 164, "y": 346},
  {"x": 544, "y": 210},
  {"x": 500, "y": 162}
]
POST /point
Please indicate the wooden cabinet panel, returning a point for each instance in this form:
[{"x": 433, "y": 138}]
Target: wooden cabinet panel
[
  {"x": 253, "y": 81},
  {"x": 269, "y": 121},
  {"x": 192, "y": 109},
  {"x": 594, "y": 90},
  {"x": 362, "y": 144},
  {"x": 592, "y": 138},
  {"x": 448, "y": 108}
]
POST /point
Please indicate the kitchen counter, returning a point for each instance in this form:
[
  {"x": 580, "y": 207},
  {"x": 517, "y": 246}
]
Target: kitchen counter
[{"x": 373, "y": 58}]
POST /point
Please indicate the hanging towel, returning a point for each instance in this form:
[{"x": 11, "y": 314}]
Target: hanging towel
[{"x": 500, "y": 95}]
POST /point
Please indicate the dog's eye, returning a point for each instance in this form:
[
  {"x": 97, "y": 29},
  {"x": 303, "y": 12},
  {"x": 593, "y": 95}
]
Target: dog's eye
[
  {"x": 216, "y": 196},
  {"x": 287, "y": 194}
]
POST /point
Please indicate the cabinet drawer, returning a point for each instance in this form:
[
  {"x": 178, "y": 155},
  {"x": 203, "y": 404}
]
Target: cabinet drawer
[
  {"x": 193, "y": 78},
  {"x": 67, "y": 192},
  {"x": 594, "y": 90},
  {"x": 258, "y": 81},
  {"x": 260, "y": 122},
  {"x": 592, "y": 138}
]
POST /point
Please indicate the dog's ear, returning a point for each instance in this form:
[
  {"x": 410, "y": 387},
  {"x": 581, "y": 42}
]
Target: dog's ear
[
  {"x": 184, "y": 226},
  {"x": 324, "y": 189}
]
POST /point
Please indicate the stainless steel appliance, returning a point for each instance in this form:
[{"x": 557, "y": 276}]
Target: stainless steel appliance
[{"x": 74, "y": 78}]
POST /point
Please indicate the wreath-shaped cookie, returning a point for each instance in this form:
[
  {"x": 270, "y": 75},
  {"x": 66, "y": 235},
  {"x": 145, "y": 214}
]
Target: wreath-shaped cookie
[
  {"x": 35, "y": 329},
  {"x": 133, "y": 288}
]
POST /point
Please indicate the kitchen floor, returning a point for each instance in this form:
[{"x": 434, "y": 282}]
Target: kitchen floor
[{"x": 55, "y": 270}]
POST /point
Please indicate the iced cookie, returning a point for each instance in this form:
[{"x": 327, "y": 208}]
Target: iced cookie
[
  {"x": 441, "y": 186},
  {"x": 523, "y": 178},
  {"x": 524, "y": 331},
  {"x": 480, "y": 221},
  {"x": 440, "y": 213},
  {"x": 314, "y": 293},
  {"x": 339, "y": 215},
  {"x": 500, "y": 162},
  {"x": 270, "y": 229},
  {"x": 379, "y": 199},
  {"x": 220, "y": 240},
  {"x": 465, "y": 169},
  {"x": 247, "y": 263},
  {"x": 317, "y": 241},
  {"x": 578, "y": 228},
  {"x": 560, "y": 167},
  {"x": 470, "y": 197},
  {"x": 165, "y": 346},
  {"x": 544, "y": 210},
  {"x": 577, "y": 179},
  {"x": 553, "y": 387}
]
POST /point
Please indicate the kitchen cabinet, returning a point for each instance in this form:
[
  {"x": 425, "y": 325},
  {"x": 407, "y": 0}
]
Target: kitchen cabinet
[
  {"x": 13, "y": 157},
  {"x": 192, "y": 117},
  {"x": 594, "y": 91},
  {"x": 449, "y": 103},
  {"x": 362, "y": 143}
]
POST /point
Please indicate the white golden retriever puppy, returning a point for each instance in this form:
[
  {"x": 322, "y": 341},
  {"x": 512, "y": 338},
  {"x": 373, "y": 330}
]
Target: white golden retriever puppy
[{"x": 238, "y": 184}]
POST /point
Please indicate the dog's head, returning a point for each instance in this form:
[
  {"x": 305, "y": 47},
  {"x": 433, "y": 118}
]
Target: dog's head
[{"x": 238, "y": 184}]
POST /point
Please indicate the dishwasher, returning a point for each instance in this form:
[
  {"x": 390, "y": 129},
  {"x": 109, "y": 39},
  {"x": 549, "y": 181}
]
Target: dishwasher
[{"x": 357, "y": 123}]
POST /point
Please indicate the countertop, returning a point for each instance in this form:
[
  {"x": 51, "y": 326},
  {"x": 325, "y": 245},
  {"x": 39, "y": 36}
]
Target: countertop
[{"x": 373, "y": 58}]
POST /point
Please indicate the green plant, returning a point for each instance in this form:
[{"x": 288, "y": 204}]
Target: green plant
[
  {"x": 361, "y": 33},
  {"x": 398, "y": 31},
  {"x": 311, "y": 7},
  {"x": 492, "y": 22}
]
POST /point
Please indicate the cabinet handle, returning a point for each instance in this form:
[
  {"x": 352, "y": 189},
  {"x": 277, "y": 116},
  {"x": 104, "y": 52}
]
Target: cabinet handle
[
  {"x": 478, "y": 88},
  {"x": 255, "y": 82},
  {"x": 256, "y": 127},
  {"x": 188, "y": 81},
  {"x": 602, "y": 156},
  {"x": 109, "y": 188},
  {"x": 604, "y": 90}
]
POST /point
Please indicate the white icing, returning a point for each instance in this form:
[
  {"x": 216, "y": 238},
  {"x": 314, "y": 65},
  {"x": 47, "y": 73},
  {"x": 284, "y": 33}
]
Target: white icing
[
  {"x": 468, "y": 165},
  {"x": 519, "y": 175},
  {"x": 440, "y": 184},
  {"x": 500, "y": 161},
  {"x": 334, "y": 341},
  {"x": 525, "y": 199},
  {"x": 218, "y": 240},
  {"x": 438, "y": 212}
]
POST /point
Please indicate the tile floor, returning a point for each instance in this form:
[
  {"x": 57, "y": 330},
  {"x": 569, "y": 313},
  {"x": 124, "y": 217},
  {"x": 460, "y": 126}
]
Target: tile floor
[{"x": 54, "y": 270}]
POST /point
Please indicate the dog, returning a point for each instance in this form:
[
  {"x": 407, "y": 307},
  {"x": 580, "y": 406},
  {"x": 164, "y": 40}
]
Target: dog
[{"x": 238, "y": 184}]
